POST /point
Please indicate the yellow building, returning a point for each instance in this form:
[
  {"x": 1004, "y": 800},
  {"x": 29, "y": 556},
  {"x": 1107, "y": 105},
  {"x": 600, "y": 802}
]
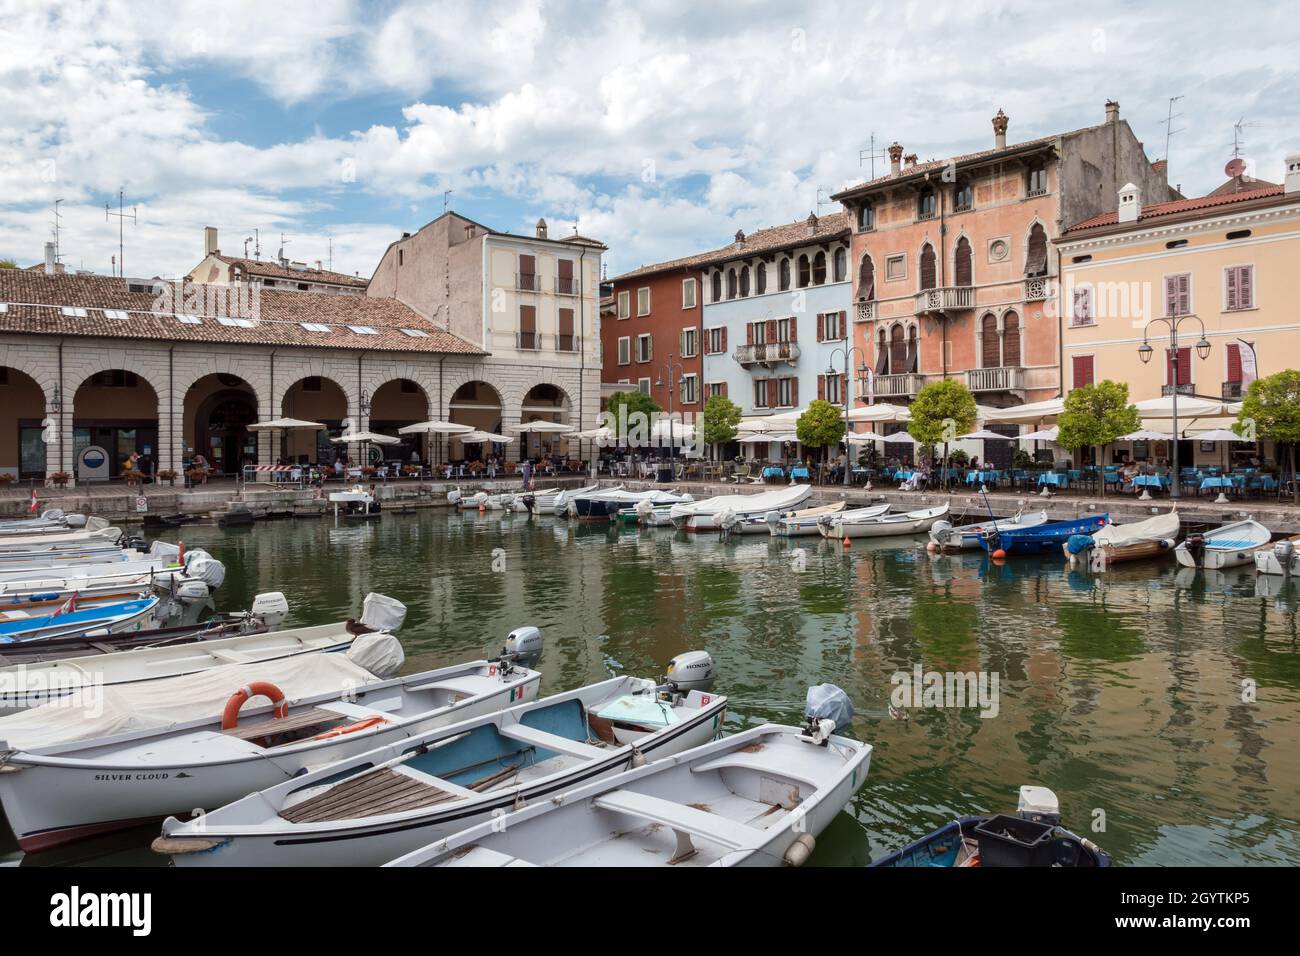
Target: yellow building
[{"x": 1222, "y": 268}]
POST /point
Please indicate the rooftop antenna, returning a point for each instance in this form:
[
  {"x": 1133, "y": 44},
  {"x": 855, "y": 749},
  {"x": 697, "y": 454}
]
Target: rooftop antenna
[
  {"x": 822, "y": 202},
  {"x": 122, "y": 216},
  {"x": 869, "y": 154},
  {"x": 247, "y": 240},
  {"x": 257, "y": 244},
  {"x": 330, "y": 239},
  {"x": 446, "y": 195},
  {"x": 1239, "y": 144},
  {"x": 57, "y": 217},
  {"x": 283, "y": 242},
  {"x": 1169, "y": 124}
]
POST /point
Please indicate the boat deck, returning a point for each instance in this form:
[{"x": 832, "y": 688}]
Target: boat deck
[{"x": 370, "y": 794}]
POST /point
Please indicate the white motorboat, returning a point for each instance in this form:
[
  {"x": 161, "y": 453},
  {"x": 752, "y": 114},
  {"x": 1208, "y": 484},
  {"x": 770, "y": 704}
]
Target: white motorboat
[
  {"x": 377, "y": 805},
  {"x": 604, "y": 504},
  {"x": 357, "y": 502},
  {"x": 98, "y": 535},
  {"x": 856, "y": 525},
  {"x": 767, "y": 523},
  {"x": 800, "y": 524},
  {"x": 833, "y": 519},
  {"x": 1282, "y": 558},
  {"x": 709, "y": 514},
  {"x": 1134, "y": 541},
  {"x": 557, "y": 503},
  {"x": 69, "y": 620},
  {"x": 966, "y": 537},
  {"x": 1229, "y": 546},
  {"x": 51, "y": 518},
  {"x": 150, "y": 749},
  {"x": 758, "y": 798}
]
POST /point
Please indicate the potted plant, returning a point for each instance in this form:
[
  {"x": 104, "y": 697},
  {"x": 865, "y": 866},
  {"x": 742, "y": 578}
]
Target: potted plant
[
  {"x": 60, "y": 479},
  {"x": 1021, "y": 459},
  {"x": 368, "y": 471},
  {"x": 168, "y": 476},
  {"x": 197, "y": 476},
  {"x": 5, "y": 478}
]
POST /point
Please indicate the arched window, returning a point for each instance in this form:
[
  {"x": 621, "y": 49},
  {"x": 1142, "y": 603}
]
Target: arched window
[
  {"x": 913, "y": 350},
  {"x": 882, "y": 353},
  {"x": 805, "y": 272},
  {"x": 962, "y": 264},
  {"x": 897, "y": 350},
  {"x": 963, "y": 197},
  {"x": 819, "y": 269},
  {"x": 1011, "y": 339},
  {"x": 867, "y": 279},
  {"x": 717, "y": 287},
  {"x": 841, "y": 264},
  {"x": 783, "y": 275},
  {"x": 731, "y": 283},
  {"x": 926, "y": 204},
  {"x": 990, "y": 346},
  {"x": 927, "y": 270},
  {"x": 744, "y": 280},
  {"x": 1036, "y": 253},
  {"x": 760, "y": 278},
  {"x": 1037, "y": 183},
  {"x": 866, "y": 217}
]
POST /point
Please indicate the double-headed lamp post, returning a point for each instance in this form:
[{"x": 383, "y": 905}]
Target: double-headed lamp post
[
  {"x": 670, "y": 367},
  {"x": 1145, "y": 351},
  {"x": 844, "y": 396}
]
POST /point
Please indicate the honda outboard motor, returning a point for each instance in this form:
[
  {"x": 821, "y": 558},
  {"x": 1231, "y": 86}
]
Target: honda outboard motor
[
  {"x": 1284, "y": 550},
  {"x": 1039, "y": 805},
  {"x": 1196, "y": 549},
  {"x": 271, "y": 609},
  {"x": 379, "y": 612},
  {"x": 827, "y": 710},
  {"x": 692, "y": 670},
  {"x": 523, "y": 646}
]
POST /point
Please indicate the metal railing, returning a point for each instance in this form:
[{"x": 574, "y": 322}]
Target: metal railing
[
  {"x": 528, "y": 282},
  {"x": 1233, "y": 390},
  {"x": 566, "y": 285},
  {"x": 908, "y": 383},
  {"x": 949, "y": 299},
  {"x": 767, "y": 353}
]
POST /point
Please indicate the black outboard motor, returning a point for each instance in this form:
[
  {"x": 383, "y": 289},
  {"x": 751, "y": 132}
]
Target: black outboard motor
[
  {"x": 1196, "y": 549},
  {"x": 528, "y": 502},
  {"x": 827, "y": 710}
]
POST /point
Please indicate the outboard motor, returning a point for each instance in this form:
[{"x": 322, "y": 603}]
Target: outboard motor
[
  {"x": 453, "y": 497},
  {"x": 527, "y": 500},
  {"x": 939, "y": 532},
  {"x": 523, "y": 646},
  {"x": 827, "y": 710},
  {"x": 54, "y": 515},
  {"x": 202, "y": 566},
  {"x": 380, "y": 612},
  {"x": 727, "y": 520},
  {"x": 691, "y": 670},
  {"x": 572, "y": 508},
  {"x": 136, "y": 543},
  {"x": 1039, "y": 805},
  {"x": 644, "y": 509},
  {"x": 772, "y": 519},
  {"x": 75, "y": 521},
  {"x": 1284, "y": 550},
  {"x": 271, "y": 609},
  {"x": 1078, "y": 543},
  {"x": 1196, "y": 549}
]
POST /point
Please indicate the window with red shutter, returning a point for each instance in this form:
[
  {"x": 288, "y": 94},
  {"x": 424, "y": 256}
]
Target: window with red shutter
[
  {"x": 1234, "y": 362},
  {"x": 794, "y": 328},
  {"x": 989, "y": 344},
  {"x": 749, "y": 333},
  {"x": 962, "y": 269},
  {"x": 528, "y": 272},
  {"x": 794, "y": 393},
  {"x": 564, "y": 282},
  {"x": 821, "y": 327},
  {"x": 897, "y": 350},
  {"x": 821, "y": 387},
  {"x": 1240, "y": 280},
  {"x": 771, "y": 331},
  {"x": 567, "y": 342},
  {"x": 1082, "y": 370},
  {"x": 927, "y": 267},
  {"x": 724, "y": 389},
  {"x": 723, "y": 347},
  {"x": 1178, "y": 294},
  {"x": 1184, "y": 366},
  {"x": 528, "y": 327}
]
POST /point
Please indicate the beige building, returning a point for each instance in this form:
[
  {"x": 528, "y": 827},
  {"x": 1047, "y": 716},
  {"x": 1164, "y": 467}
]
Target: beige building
[
  {"x": 1222, "y": 266},
  {"x": 280, "y": 274}
]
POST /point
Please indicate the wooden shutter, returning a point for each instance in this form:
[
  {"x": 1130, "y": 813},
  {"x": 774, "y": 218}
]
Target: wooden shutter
[
  {"x": 867, "y": 279},
  {"x": 1171, "y": 295},
  {"x": 897, "y": 351},
  {"x": 821, "y": 387},
  {"x": 749, "y": 333},
  {"x": 1233, "y": 298},
  {"x": 527, "y": 272},
  {"x": 962, "y": 266},
  {"x": 1082, "y": 370},
  {"x": 771, "y": 393},
  {"x": 771, "y": 331},
  {"x": 1036, "y": 260},
  {"x": 989, "y": 344},
  {"x": 821, "y": 327},
  {"x": 1184, "y": 359},
  {"x": 913, "y": 352},
  {"x": 1178, "y": 294},
  {"x": 1011, "y": 339},
  {"x": 793, "y": 326},
  {"x": 844, "y": 326},
  {"x": 794, "y": 393},
  {"x": 723, "y": 393},
  {"x": 566, "y": 330},
  {"x": 927, "y": 267},
  {"x": 528, "y": 327},
  {"x": 1234, "y": 362},
  {"x": 724, "y": 340},
  {"x": 1246, "y": 286}
]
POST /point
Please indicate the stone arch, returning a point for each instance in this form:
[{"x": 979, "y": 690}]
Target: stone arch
[
  {"x": 317, "y": 398},
  {"x": 117, "y": 406},
  {"x": 24, "y": 434},
  {"x": 216, "y": 410},
  {"x": 544, "y": 400},
  {"x": 866, "y": 278}
]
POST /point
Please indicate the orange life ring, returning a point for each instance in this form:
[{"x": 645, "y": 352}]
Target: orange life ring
[
  {"x": 351, "y": 728},
  {"x": 259, "y": 688}
]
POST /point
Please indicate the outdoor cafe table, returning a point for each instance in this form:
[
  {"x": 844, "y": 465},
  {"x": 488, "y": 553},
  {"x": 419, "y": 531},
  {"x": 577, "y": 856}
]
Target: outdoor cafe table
[
  {"x": 1151, "y": 481},
  {"x": 1054, "y": 478},
  {"x": 772, "y": 471},
  {"x": 982, "y": 477},
  {"x": 799, "y": 471},
  {"x": 1229, "y": 482}
]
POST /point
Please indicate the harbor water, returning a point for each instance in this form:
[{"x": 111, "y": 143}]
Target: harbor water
[{"x": 1163, "y": 708}]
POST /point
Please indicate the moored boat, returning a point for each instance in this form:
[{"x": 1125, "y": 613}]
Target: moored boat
[
  {"x": 388, "y": 801},
  {"x": 1043, "y": 539},
  {"x": 69, "y": 620},
  {"x": 1033, "y": 837},
  {"x": 862, "y": 524},
  {"x": 1126, "y": 542},
  {"x": 605, "y": 504},
  {"x": 799, "y": 524},
  {"x": 945, "y": 537},
  {"x": 1228, "y": 546},
  {"x": 708, "y": 515},
  {"x": 767, "y": 522},
  {"x": 1282, "y": 558}
]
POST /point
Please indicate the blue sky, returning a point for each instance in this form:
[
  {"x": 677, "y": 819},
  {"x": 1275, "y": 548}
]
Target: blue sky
[{"x": 660, "y": 127}]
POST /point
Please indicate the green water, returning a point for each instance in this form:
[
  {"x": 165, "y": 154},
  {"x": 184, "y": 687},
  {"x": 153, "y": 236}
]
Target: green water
[{"x": 1122, "y": 692}]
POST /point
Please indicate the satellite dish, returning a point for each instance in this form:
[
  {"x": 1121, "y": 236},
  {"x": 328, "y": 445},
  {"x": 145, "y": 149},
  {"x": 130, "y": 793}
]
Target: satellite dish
[{"x": 1235, "y": 167}]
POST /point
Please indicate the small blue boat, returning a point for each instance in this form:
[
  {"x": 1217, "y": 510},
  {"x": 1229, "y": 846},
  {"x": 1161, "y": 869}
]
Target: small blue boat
[
  {"x": 1044, "y": 539},
  {"x": 137, "y": 615}
]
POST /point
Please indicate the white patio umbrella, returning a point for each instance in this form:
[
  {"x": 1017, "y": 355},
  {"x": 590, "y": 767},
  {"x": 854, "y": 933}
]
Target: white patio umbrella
[
  {"x": 435, "y": 427},
  {"x": 1047, "y": 434},
  {"x": 1222, "y": 436},
  {"x": 1026, "y": 414},
  {"x": 283, "y": 425},
  {"x": 864, "y": 438},
  {"x": 1145, "y": 434},
  {"x": 541, "y": 428},
  {"x": 1189, "y": 407},
  {"x": 757, "y": 438},
  {"x": 901, "y": 437},
  {"x": 879, "y": 412},
  {"x": 365, "y": 440},
  {"x": 478, "y": 438},
  {"x": 985, "y": 435}
]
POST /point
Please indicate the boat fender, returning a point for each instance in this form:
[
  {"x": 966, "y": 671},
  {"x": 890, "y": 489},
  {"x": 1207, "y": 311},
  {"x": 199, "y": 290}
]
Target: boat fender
[
  {"x": 1167, "y": 543},
  {"x": 353, "y": 728},
  {"x": 800, "y": 850},
  {"x": 258, "y": 688}
]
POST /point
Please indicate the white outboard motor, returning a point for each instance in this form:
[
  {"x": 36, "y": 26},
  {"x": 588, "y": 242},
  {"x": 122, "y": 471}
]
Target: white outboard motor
[
  {"x": 191, "y": 591},
  {"x": 772, "y": 518},
  {"x": 939, "y": 531},
  {"x": 271, "y": 609},
  {"x": 645, "y": 508},
  {"x": 382, "y": 613},
  {"x": 827, "y": 710},
  {"x": 1039, "y": 805},
  {"x": 523, "y": 646},
  {"x": 204, "y": 567},
  {"x": 727, "y": 520},
  {"x": 453, "y": 497},
  {"x": 1283, "y": 551},
  {"x": 381, "y": 654},
  {"x": 55, "y": 515},
  {"x": 573, "y": 508},
  {"x": 75, "y": 521},
  {"x": 692, "y": 670}
]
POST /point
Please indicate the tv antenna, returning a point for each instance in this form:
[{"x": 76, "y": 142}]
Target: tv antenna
[
  {"x": 247, "y": 240},
  {"x": 330, "y": 240},
  {"x": 823, "y": 202},
  {"x": 1169, "y": 124},
  {"x": 122, "y": 216},
  {"x": 869, "y": 154},
  {"x": 57, "y": 217},
  {"x": 1239, "y": 144},
  {"x": 283, "y": 242},
  {"x": 446, "y": 196}
]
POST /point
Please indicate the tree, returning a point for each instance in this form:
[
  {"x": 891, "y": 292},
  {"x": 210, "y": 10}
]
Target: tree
[
  {"x": 721, "y": 418},
  {"x": 1271, "y": 409},
  {"x": 942, "y": 411},
  {"x": 8, "y": 264},
  {"x": 821, "y": 425},
  {"x": 1094, "y": 416},
  {"x": 630, "y": 416}
]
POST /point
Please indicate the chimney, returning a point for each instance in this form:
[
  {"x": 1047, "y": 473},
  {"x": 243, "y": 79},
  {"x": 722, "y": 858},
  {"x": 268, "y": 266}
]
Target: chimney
[
  {"x": 1130, "y": 204},
  {"x": 1112, "y": 111},
  {"x": 210, "y": 241},
  {"x": 318, "y": 266},
  {"x": 895, "y": 155},
  {"x": 740, "y": 237},
  {"x": 1000, "y": 130},
  {"x": 1160, "y": 168},
  {"x": 1292, "y": 173},
  {"x": 909, "y": 160},
  {"x": 812, "y": 223},
  {"x": 49, "y": 259},
  {"x": 541, "y": 229}
]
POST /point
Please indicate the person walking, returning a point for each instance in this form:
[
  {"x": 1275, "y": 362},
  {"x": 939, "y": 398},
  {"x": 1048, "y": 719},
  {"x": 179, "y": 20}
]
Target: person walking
[{"x": 526, "y": 469}]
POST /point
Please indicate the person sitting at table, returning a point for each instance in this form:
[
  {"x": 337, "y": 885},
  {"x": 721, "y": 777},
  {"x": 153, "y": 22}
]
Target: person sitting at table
[
  {"x": 975, "y": 463},
  {"x": 1128, "y": 473}
]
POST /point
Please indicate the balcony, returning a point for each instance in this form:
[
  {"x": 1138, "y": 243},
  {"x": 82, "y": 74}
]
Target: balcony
[
  {"x": 1233, "y": 391},
  {"x": 950, "y": 299},
  {"x": 528, "y": 282},
  {"x": 866, "y": 311},
  {"x": 567, "y": 343},
  {"x": 1038, "y": 289},
  {"x": 1004, "y": 379},
  {"x": 768, "y": 354},
  {"x": 528, "y": 341},
  {"x": 898, "y": 386},
  {"x": 566, "y": 285}
]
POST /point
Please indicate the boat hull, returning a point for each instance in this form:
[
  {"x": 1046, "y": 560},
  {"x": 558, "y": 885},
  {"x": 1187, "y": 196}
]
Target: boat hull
[{"x": 1044, "y": 539}]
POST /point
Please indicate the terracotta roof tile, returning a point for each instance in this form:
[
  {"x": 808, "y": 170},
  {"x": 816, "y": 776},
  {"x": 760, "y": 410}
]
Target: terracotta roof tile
[
  {"x": 1157, "y": 210},
  {"x": 35, "y": 304},
  {"x": 272, "y": 269}
]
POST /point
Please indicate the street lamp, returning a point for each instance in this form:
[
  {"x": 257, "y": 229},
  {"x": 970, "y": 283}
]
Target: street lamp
[
  {"x": 862, "y": 384},
  {"x": 1145, "y": 352},
  {"x": 670, "y": 366}
]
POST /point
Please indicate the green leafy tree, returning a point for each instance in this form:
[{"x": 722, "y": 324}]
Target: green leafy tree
[
  {"x": 630, "y": 414},
  {"x": 942, "y": 411},
  {"x": 1094, "y": 416},
  {"x": 820, "y": 426},
  {"x": 721, "y": 420},
  {"x": 8, "y": 264},
  {"x": 1271, "y": 409}
]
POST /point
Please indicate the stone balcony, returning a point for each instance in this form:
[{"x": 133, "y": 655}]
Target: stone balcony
[
  {"x": 1008, "y": 378},
  {"x": 898, "y": 386},
  {"x": 769, "y": 354},
  {"x": 949, "y": 299}
]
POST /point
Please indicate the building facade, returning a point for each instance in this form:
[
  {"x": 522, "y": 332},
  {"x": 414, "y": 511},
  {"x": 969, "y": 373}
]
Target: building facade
[
  {"x": 952, "y": 260},
  {"x": 1224, "y": 265},
  {"x": 280, "y": 274}
]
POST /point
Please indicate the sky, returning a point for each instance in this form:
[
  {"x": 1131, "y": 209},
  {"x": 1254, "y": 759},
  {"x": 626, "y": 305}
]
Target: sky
[{"x": 659, "y": 127}]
